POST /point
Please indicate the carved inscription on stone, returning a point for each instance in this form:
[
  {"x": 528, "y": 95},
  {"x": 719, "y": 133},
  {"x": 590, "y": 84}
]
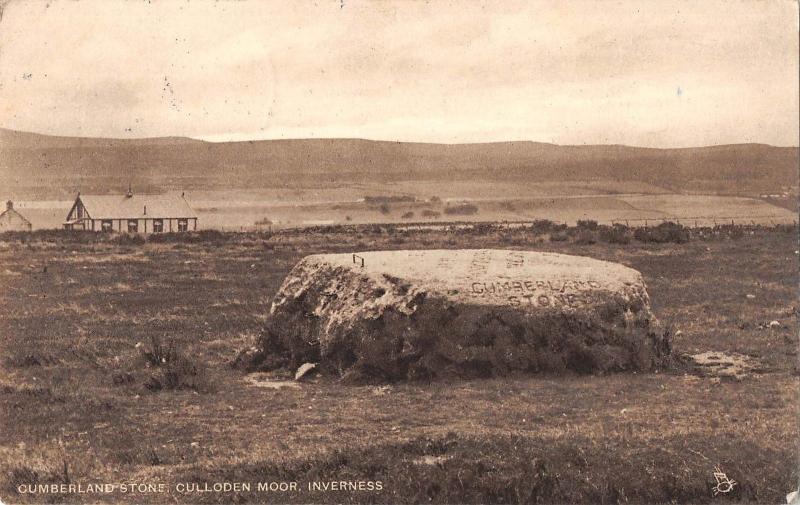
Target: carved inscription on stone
[
  {"x": 515, "y": 259},
  {"x": 535, "y": 293}
]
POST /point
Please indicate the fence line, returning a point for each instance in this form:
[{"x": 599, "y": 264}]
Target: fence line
[
  {"x": 687, "y": 221},
  {"x": 705, "y": 221}
]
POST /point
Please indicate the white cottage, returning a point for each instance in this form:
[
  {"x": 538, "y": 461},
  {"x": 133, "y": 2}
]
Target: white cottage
[{"x": 11, "y": 220}]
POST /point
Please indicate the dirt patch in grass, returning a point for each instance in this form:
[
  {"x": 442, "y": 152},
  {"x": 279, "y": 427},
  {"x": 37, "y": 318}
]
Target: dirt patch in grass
[{"x": 720, "y": 364}]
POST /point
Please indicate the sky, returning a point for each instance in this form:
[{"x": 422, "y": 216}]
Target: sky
[{"x": 658, "y": 73}]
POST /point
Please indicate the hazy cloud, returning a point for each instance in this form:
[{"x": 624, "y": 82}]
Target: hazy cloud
[{"x": 461, "y": 71}]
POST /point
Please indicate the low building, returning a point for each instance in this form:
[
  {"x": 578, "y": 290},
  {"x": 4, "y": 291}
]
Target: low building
[
  {"x": 131, "y": 213},
  {"x": 11, "y": 220}
]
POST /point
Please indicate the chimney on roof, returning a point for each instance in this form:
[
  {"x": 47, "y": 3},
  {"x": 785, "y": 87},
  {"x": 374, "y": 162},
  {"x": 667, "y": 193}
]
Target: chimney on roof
[
  {"x": 9, "y": 205},
  {"x": 129, "y": 194}
]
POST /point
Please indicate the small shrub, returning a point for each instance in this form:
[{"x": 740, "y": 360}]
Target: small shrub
[
  {"x": 559, "y": 237},
  {"x": 664, "y": 232},
  {"x": 191, "y": 237},
  {"x": 509, "y": 239},
  {"x": 123, "y": 378},
  {"x": 587, "y": 224},
  {"x": 152, "y": 457},
  {"x": 617, "y": 234},
  {"x": 542, "y": 226},
  {"x": 585, "y": 237},
  {"x": 128, "y": 239},
  {"x": 735, "y": 232},
  {"x": 464, "y": 209},
  {"x": 384, "y": 208},
  {"x": 214, "y": 236},
  {"x": 180, "y": 373},
  {"x": 158, "y": 353},
  {"x": 408, "y": 215},
  {"x": 175, "y": 370},
  {"x": 431, "y": 213},
  {"x": 785, "y": 228},
  {"x": 389, "y": 199}
]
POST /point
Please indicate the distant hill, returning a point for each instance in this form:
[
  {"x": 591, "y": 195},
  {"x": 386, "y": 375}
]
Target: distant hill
[
  {"x": 47, "y": 166},
  {"x": 13, "y": 139}
]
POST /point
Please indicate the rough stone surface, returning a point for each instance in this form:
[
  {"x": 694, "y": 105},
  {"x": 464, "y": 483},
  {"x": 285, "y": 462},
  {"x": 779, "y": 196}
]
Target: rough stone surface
[{"x": 421, "y": 314}]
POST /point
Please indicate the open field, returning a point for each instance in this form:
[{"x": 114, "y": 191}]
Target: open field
[
  {"x": 428, "y": 202},
  {"x": 83, "y": 402}
]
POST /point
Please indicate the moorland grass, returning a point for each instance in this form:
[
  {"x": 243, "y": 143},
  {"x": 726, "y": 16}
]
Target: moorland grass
[{"x": 75, "y": 403}]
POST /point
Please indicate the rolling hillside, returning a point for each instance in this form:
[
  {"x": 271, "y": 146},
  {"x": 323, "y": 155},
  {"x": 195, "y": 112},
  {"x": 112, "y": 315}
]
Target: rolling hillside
[{"x": 40, "y": 166}]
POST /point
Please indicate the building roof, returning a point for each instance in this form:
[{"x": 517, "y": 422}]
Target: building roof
[
  {"x": 13, "y": 212},
  {"x": 136, "y": 206}
]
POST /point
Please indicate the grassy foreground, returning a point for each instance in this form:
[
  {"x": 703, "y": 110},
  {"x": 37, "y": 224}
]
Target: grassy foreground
[{"x": 115, "y": 368}]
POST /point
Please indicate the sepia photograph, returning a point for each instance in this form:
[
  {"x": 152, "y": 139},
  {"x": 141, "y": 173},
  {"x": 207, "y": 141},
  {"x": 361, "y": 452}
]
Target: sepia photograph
[{"x": 399, "y": 252}]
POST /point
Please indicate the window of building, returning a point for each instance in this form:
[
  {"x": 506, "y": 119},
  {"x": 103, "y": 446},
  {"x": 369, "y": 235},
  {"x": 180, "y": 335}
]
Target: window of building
[
  {"x": 183, "y": 224},
  {"x": 158, "y": 225},
  {"x": 133, "y": 225},
  {"x": 106, "y": 225}
]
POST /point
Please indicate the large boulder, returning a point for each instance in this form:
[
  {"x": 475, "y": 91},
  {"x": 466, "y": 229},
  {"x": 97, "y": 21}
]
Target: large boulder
[{"x": 420, "y": 314}]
